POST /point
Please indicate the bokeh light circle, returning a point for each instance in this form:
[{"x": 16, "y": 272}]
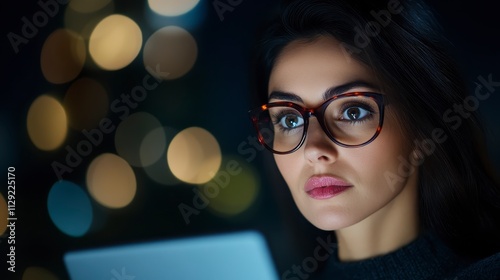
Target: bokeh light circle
[
  {"x": 47, "y": 123},
  {"x": 3, "y": 214},
  {"x": 86, "y": 103},
  {"x": 172, "y": 7},
  {"x": 152, "y": 146},
  {"x": 115, "y": 42},
  {"x": 63, "y": 56},
  {"x": 234, "y": 189},
  {"x": 194, "y": 155},
  {"x": 38, "y": 273},
  {"x": 172, "y": 50},
  {"x": 130, "y": 134},
  {"x": 154, "y": 149},
  {"x": 111, "y": 181},
  {"x": 70, "y": 208}
]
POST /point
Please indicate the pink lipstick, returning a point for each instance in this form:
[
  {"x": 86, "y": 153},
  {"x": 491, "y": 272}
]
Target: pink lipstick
[{"x": 325, "y": 187}]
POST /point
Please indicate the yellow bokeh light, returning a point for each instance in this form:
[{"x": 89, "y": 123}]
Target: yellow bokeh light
[
  {"x": 111, "y": 181},
  {"x": 47, "y": 123},
  {"x": 63, "y": 56},
  {"x": 86, "y": 103},
  {"x": 115, "y": 42},
  {"x": 234, "y": 189},
  {"x": 171, "y": 49},
  {"x": 87, "y": 6},
  {"x": 172, "y": 7},
  {"x": 38, "y": 273},
  {"x": 194, "y": 155},
  {"x": 130, "y": 134},
  {"x": 3, "y": 214}
]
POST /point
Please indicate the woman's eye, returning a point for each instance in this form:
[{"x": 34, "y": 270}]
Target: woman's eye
[
  {"x": 291, "y": 121},
  {"x": 355, "y": 113}
]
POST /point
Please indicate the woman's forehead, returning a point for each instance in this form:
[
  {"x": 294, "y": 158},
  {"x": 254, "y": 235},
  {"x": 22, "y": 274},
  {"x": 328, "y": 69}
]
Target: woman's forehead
[{"x": 314, "y": 66}]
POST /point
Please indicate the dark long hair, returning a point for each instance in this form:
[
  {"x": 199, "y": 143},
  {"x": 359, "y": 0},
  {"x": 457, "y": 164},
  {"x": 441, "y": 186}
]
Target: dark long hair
[{"x": 458, "y": 199}]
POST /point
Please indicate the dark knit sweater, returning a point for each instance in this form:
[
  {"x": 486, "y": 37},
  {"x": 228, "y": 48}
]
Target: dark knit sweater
[{"x": 425, "y": 258}]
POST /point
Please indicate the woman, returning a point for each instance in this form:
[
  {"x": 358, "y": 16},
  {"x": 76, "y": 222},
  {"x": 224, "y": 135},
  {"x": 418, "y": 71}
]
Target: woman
[{"x": 371, "y": 129}]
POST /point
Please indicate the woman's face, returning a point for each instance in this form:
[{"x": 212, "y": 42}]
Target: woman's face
[{"x": 336, "y": 187}]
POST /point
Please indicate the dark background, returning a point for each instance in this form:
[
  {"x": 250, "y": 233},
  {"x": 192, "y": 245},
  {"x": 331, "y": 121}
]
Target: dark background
[{"x": 215, "y": 96}]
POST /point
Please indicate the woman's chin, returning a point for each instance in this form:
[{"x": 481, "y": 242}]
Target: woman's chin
[{"x": 330, "y": 221}]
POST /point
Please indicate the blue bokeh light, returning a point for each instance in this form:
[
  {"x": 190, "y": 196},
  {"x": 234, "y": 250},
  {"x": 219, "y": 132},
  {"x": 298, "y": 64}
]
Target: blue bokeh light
[{"x": 70, "y": 208}]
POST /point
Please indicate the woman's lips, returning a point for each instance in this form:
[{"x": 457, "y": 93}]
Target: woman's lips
[{"x": 325, "y": 187}]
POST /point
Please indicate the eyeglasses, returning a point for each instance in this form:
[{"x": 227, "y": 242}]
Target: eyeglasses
[{"x": 350, "y": 120}]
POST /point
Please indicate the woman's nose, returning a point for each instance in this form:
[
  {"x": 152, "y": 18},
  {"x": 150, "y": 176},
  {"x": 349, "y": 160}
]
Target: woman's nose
[{"x": 318, "y": 148}]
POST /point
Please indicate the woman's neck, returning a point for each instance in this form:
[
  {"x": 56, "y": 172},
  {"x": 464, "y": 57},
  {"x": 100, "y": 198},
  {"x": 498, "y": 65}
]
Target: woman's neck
[{"x": 390, "y": 228}]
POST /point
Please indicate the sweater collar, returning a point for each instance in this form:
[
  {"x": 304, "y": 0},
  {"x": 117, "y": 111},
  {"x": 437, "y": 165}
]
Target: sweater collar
[{"x": 424, "y": 258}]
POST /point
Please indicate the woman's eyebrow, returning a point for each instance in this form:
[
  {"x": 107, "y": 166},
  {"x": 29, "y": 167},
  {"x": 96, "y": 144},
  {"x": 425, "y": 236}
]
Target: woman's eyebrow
[
  {"x": 286, "y": 96},
  {"x": 329, "y": 93}
]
